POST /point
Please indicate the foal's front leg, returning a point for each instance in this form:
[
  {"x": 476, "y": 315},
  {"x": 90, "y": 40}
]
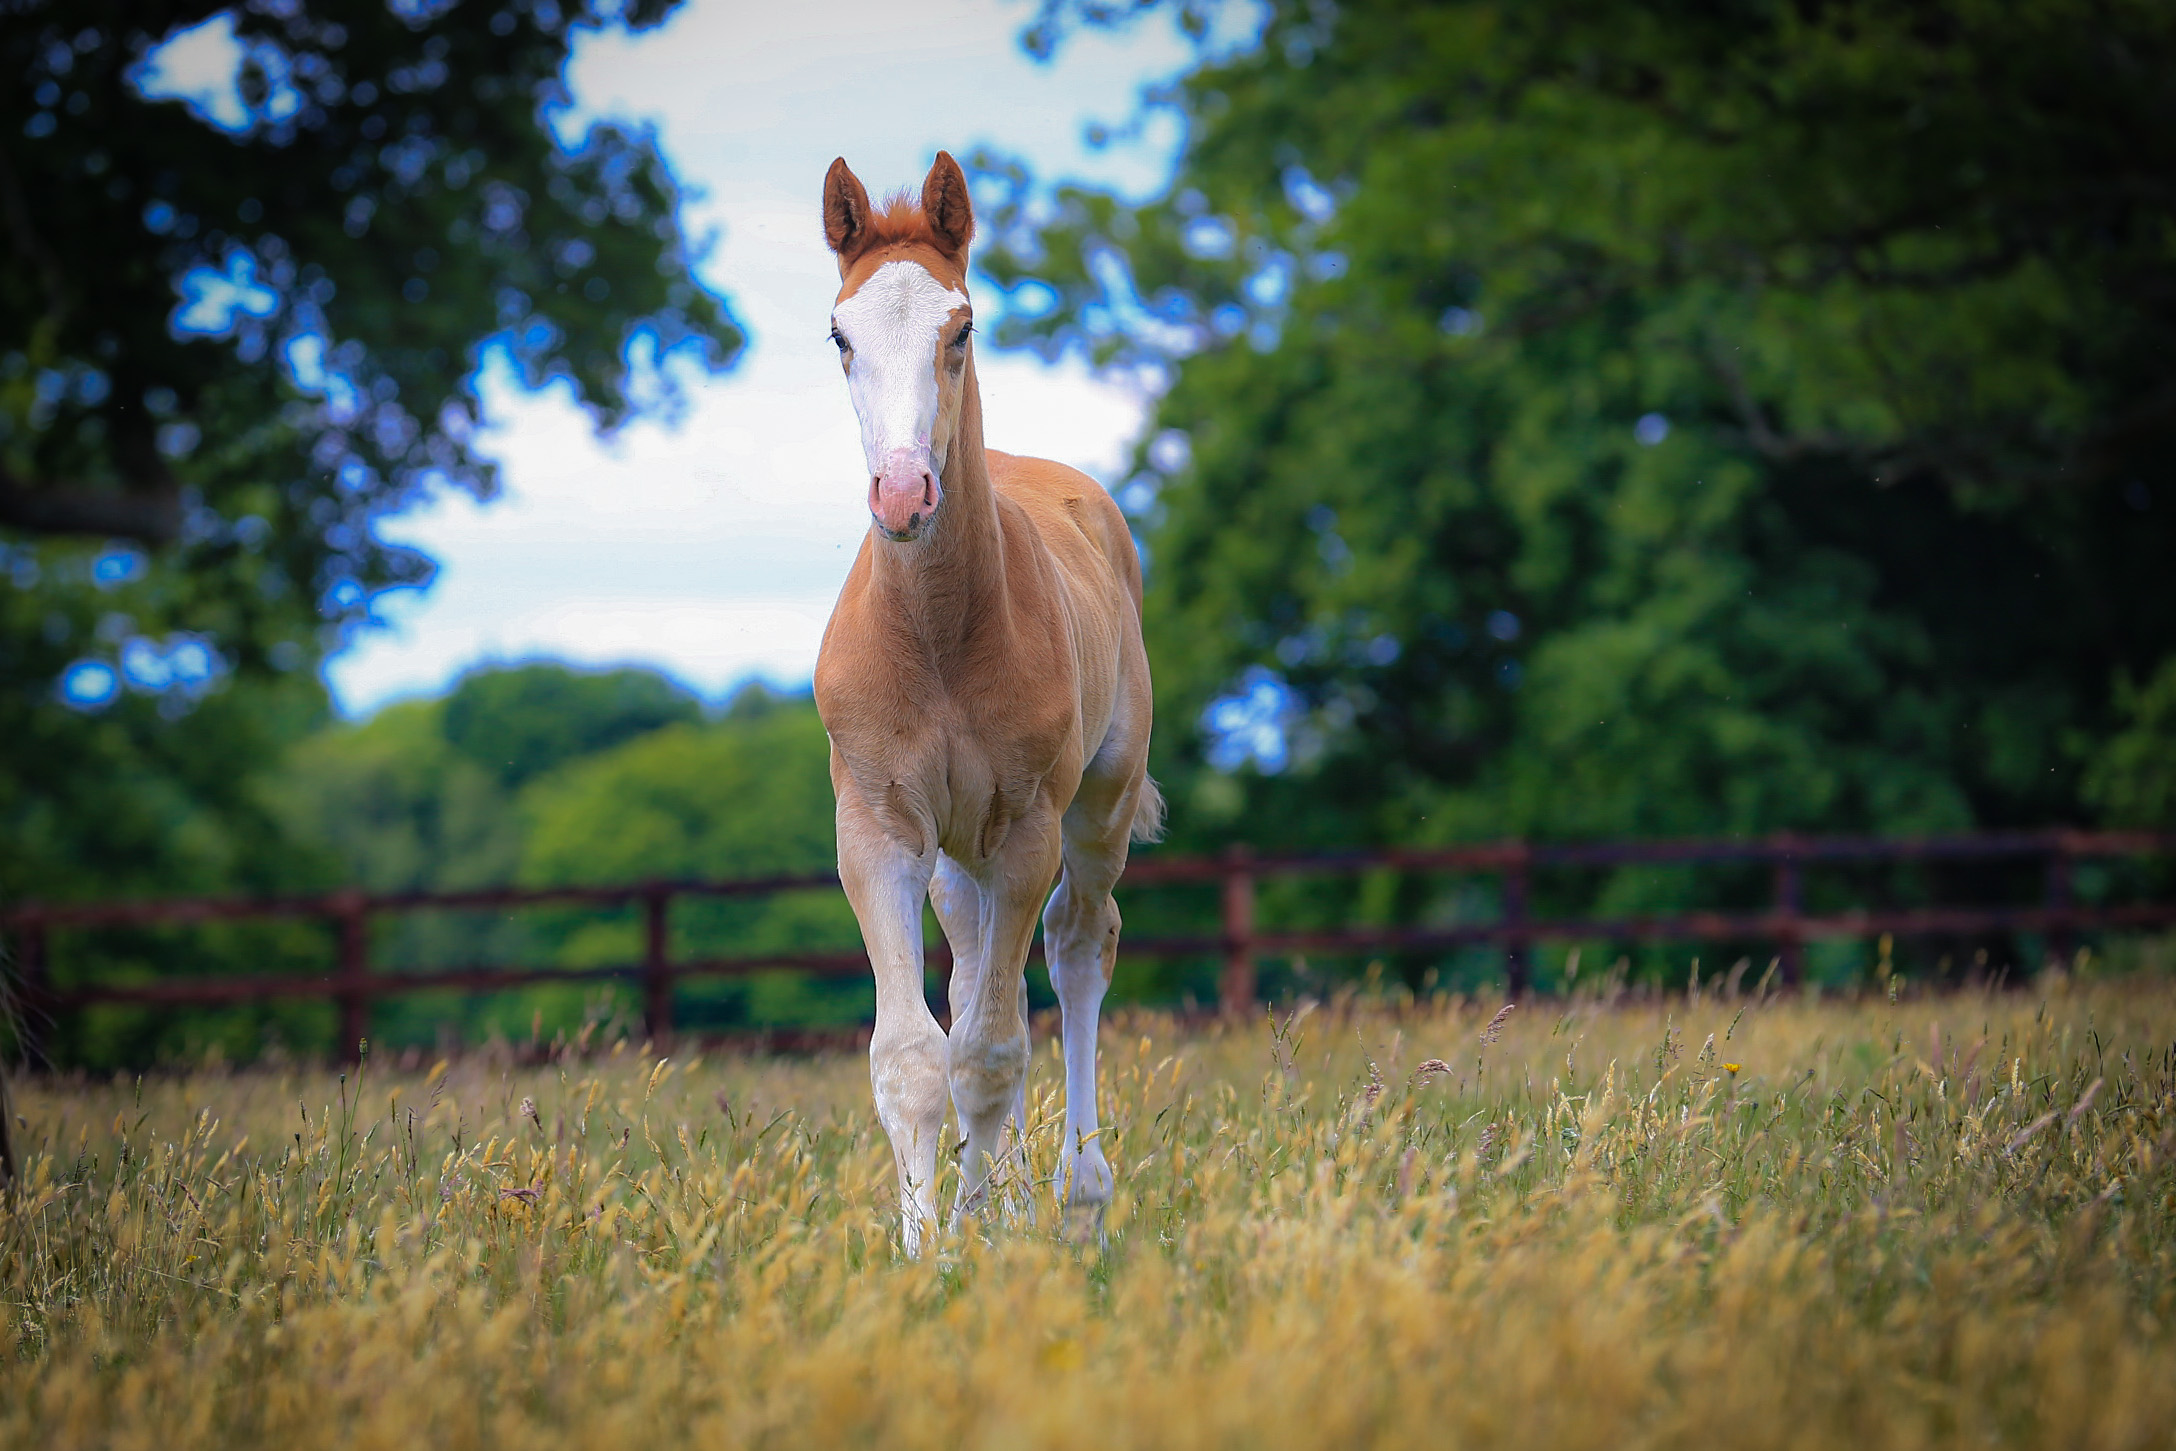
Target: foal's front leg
[{"x": 885, "y": 881}]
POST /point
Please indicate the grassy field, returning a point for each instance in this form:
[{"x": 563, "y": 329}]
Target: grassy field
[{"x": 1718, "y": 1223}]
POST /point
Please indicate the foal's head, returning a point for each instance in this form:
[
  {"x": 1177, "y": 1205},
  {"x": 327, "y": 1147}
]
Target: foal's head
[{"x": 901, "y": 324}]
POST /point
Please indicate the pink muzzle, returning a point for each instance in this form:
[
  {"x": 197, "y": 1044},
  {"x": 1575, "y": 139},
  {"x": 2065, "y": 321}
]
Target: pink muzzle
[{"x": 904, "y": 497}]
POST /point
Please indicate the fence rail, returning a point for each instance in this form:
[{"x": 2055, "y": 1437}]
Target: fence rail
[{"x": 1239, "y": 944}]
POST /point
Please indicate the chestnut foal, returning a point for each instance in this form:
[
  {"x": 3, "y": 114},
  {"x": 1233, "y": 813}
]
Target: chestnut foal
[{"x": 986, "y": 692}]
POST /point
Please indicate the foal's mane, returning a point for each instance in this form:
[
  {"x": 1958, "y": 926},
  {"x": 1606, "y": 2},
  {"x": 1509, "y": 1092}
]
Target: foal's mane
[{"x": 898, "y": 222}]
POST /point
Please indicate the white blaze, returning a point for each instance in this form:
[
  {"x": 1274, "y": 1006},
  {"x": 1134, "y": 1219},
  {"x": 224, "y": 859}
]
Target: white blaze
[{"x": 892, "y": 324}]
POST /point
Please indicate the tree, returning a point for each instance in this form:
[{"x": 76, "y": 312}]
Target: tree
[
  {"x": 391, "y": 805},
  {"x": 747, "y": 795},
  {"x": 633, "y": 784},
  {"x": 424, "y": 795},
  {"x": 520, "y": 721},
  {"x": 236, "y": 331},
  {"x": 536, "y": 774},
  {"x": 1651, "y": 419},
  {"x": 2133, "y": 777}
]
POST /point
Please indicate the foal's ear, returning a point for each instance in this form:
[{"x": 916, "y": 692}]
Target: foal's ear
[
  {"x": 950, "y": 214},
  {"x": 846, "y": 210}
]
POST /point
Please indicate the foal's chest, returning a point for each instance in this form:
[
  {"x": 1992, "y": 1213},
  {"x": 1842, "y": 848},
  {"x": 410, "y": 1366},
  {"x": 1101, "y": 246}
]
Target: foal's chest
[{"x": 957, "y": 774}]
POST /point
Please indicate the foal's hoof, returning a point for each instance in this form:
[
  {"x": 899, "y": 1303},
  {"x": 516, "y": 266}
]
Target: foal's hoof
[
  {"x": 1084, "y": 1192},
  {"x": 1083, "y": 1223}
]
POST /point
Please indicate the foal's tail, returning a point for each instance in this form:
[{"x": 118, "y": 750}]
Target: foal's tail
[{"x": 1148, "y": 813}]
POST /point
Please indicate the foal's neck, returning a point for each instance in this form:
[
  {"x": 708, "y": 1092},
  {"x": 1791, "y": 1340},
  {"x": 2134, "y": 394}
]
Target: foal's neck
[{"x": 950, "y": 583}]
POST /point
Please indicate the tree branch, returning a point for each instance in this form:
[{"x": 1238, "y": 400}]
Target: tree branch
[
  {"x": 1759, "y": 433},
  {"x": 152, "y": 517}
]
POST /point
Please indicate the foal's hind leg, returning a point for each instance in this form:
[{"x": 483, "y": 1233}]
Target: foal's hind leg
[{"x": 1080, "y": 937}]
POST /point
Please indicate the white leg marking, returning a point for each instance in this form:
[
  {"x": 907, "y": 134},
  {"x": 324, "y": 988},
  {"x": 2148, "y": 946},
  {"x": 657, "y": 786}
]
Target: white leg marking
[
  {"x": 960, "y": 907},
  {"x": 989, "y": 1043},
  {"x": 885, "y": 882},
  {"x": 1080, "y": 936}
]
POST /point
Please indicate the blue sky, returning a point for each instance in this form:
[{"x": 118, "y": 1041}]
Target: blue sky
[{"x": 713, "y": 547}]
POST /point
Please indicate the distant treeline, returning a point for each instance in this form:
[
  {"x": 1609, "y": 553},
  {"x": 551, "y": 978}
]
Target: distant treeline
[{"x": 536, "y": 774}]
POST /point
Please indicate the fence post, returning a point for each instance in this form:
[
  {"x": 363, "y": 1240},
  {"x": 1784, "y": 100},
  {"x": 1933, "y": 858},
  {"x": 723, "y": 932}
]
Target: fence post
[
  {"x": 351, "y": 987},
  {"x": 1790, "y": 906},
  {"x": 2062, "y": 936},
  {"x": 656, "y": 968},
  {"x": 1517, "y": 941},
  {"x": 32, "y": 987},
  {"x": 1235, "y": 989}
]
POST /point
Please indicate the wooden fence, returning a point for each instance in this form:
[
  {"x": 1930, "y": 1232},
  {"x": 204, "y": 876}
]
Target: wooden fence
[{"x": 354, "y": 982}]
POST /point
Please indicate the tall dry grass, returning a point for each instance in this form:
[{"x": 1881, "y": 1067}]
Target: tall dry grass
[{"x": 1713, "y": 1223}]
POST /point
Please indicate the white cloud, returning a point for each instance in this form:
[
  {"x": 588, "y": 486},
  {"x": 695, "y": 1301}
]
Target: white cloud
[{"x": 713, "y": 549}]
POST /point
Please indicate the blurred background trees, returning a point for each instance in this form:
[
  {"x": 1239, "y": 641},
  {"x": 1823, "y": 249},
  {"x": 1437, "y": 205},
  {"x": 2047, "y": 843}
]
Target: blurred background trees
[
  {"x": 238, "y": 328},
  {"x": 534, "y": 774},
  {"x": 1647, "y": 419}
]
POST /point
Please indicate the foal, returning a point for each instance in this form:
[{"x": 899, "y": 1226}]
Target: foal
[{"x": 986, "y": 692}]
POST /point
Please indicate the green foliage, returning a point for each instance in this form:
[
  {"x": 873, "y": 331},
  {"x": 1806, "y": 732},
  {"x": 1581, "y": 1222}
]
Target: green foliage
[
  {"x": 134, "y": 802},
  {"x": 2133, "y": 779},
  {"x": 625, "y": 780},
  {"x": 543, "y": 775},
  {"x": 397, "y": 805},
  {"x": 746, "y": 796},
  {"x": 523, "y": 720},
  {"x": 229, "y": 344},
  {"x": 547, "y": 774},
  {"x": 424, "y": 795},
  {"x": 1656, "y": 420}
]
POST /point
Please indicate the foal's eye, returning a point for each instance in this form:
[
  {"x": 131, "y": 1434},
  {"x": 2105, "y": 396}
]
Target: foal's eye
[
  {"x": 839, "y": 338},
  {"x": 960, "y": 341}
]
